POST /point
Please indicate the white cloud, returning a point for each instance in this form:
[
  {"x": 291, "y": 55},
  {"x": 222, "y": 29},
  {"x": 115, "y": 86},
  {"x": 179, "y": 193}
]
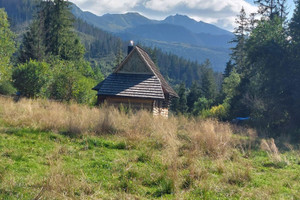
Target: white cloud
[
  {"x": 218, "y": 12},
  {"x": 106, "y": 6}
]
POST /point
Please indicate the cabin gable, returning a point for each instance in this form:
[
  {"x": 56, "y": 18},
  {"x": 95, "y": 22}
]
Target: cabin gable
[{"x": 134, "y": 65}]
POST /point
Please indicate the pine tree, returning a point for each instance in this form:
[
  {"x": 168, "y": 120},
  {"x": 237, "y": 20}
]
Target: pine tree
[
  {"x": 182, "y": 107},
  {"x": 33, "y": 47},
  {"x": 228, "y": 69},
  {"x": 119, "y": 54},
  {"x": 179, "y": 105},
  {"x": 193, "y": 96},
  {"x": 238, "y": 54},
  {"x": 264, "y": 89},
  {"x": 268, "y": 9},
  {"x": 7, "y": 48},
  {"x": 52, "y": 34},
  {"x": 208, "y": 83},
  {"x": 294, "y": 80}
]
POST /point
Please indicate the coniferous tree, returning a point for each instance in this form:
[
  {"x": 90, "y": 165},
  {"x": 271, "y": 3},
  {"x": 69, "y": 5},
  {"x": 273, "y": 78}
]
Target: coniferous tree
[
  {"x": 119, "y": 54},
  {"x": 32, "y": 79},
  {"x": 268, "y": 9},
  {"x": 7, "y": 48},
  {"x": 208, "y": 83},
  {"x": 264, "y": 84},
  {"x": 228, "y": 69},
  {"x": 33, "y": 47},
  {"x": 238, "y": 54},
  {"x": 193, "y": 95},
  {"x": 52, "y": 33},
  {"x": 179, "y": 105},
  {"x": 293, "y": 78},
  {"x": 182, "y": 107}
]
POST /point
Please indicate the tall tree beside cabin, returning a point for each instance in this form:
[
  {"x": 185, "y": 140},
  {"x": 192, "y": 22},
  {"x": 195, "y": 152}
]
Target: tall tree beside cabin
[{"x": 137, "y": 83}]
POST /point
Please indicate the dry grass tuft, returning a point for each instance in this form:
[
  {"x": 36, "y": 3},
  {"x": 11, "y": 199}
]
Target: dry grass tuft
[{"x": 270, "y": 147}]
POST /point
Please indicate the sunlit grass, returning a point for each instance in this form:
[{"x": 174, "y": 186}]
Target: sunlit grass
[{"x": 50, "y": 150}]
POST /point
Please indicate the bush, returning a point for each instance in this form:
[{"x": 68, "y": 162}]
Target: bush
[
  {"x": 32, "y": 79},
  {"x": 220, "y": 111},
  {"x": 7, "y": 88}
]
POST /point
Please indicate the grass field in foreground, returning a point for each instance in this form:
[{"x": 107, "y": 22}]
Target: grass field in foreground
[{"x": 177, "y": 158}]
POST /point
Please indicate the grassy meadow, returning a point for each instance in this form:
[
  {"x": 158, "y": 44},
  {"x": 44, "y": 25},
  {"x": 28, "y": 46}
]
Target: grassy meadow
[{"x": 50, "y": 150}]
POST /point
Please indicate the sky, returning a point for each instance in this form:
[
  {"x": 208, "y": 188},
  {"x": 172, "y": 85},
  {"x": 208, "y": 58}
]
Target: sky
[{"x": 218, "y": 12}]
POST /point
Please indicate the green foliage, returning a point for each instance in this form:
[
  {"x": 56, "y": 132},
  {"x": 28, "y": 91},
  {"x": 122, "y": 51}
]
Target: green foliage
[
  {"x": 220, "y": 111},
  {"x": 294, "y": 81},
  {"x": 7, "y": 48},
  {"x": 266, "y": 75},
  {"x": 7, "y": 88},
  {"x": 238, "y": 54},
  {"x": 179, "y": 105},
  {"x": 33, "y": 44},
  {"x": 265, "y": 82},
  {"x": 208, "y": 83},
  {"x": 32, "y": 79},
  {"x": 72, "y": 81},
  {"x": 229, "y": 67},
  {"x": 51, "y": 38},
  {"x": 52, "y": 34},
  {"x": 230, "y": 86},
  {"x": 193, "y": 95},
  {"x": 201, "y": 105}
]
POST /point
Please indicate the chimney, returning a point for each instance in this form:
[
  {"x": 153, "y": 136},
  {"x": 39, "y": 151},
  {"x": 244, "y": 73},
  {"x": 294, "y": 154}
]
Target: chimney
[{"x": 130, "y": 46}]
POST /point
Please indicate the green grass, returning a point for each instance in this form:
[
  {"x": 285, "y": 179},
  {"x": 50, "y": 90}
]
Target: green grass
[
  {"x": 28, "y": 158},
  {"x": 111, "y": 167}
]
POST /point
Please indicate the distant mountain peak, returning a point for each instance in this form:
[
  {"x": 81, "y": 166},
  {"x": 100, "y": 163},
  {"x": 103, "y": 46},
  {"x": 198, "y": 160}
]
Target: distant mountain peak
[
  {"x": 195, "y": 26},
  {"x": 133, "y": 13},
  {"x": 177, "y": 15}
]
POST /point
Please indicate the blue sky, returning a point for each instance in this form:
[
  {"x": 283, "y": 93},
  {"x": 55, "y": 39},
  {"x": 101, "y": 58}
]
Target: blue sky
[
  {"x": 219, "y": 12},
  {"x": 291, "y": 6}
]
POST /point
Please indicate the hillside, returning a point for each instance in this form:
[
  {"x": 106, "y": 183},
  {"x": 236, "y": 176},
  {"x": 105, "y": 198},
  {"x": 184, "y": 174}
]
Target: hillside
[
  {"x": 50, "y": 150},
  {"x": 207, "y": 41},
  {"x": 103, "y": 47}
]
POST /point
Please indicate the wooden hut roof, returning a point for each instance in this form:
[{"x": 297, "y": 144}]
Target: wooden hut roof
[
  {"x": 131, "y": 85},
  {"x": 148, "y": 61},
  {"x": 150, "y": 85}
]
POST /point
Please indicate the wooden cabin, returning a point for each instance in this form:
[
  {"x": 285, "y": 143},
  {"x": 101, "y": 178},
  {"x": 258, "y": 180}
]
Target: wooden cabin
[{"x": 138, "y": 84}]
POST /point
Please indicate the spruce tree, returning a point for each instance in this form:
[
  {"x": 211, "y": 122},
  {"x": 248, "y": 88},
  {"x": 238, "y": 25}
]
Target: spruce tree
[
  {"x": 33, "y": 47},
  {"x": 179, "y": 105},
  {"x": 238, "y": 54},
  {"x": 268, "y": 9},
  {"x": 7, "y": 48},
  {"x": 293, "y": 78},
  {"x": 52, "y": 34},
  {"x": 208, "y": 82},
  {"x": 182, "y": 107},
  {"x": 193, "y": 96},
  {"x": 228, "y": 69}
]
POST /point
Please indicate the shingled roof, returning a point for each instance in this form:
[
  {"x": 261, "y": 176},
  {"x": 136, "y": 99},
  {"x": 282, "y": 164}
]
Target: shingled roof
[
  {"x": 131, "y": 85},
  {"x": 152, "y": 85}
]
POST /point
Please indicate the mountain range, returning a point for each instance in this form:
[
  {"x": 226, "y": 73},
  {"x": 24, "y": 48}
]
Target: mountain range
[{"x": 178, "y": 34}]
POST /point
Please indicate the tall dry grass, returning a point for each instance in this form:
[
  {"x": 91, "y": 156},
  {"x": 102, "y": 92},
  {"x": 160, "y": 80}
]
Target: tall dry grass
[
  {"x": 209, "y": 135},
  {"x": 180, "y": 139},
  {"x": 206, "y": 137}
]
